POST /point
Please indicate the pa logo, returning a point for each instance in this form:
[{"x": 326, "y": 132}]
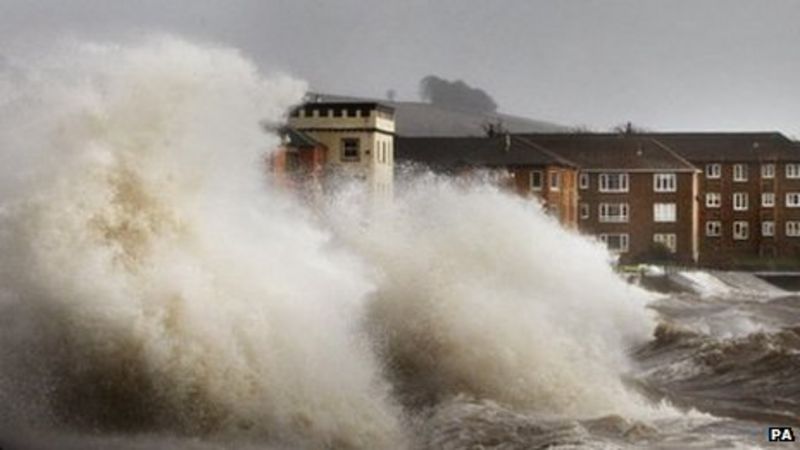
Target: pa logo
[{"x": 780, "y": 434}]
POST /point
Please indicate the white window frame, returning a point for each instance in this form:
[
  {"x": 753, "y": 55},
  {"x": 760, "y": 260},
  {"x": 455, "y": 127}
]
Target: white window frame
[
  {"x": 713, "y": 171},
  {"x": 713, "y": 199},
  {"x": 624, "y": 241},
  {"x": 741, "y": 230},
  {"x": 585, "y": 211},
  {"x": 767, "y": 199},
  {"x": 535, "y": 187},
  {"x": 740, "y": 173},
  {"x": 554, "y": 180},
  {"x": 713, "y": 228},
  {"x": 665, "y": 212},
  {"x": 792, "y": 171},
  {"x": 665, "y": 182},
  {"x": 792, "y": 228},
  {"x": 583, "y": 180},
  {"x": 669, "y": 240},
  {"x": 604, "y": 182},
  {"x": 793, "y": 199},
  {"x": 768, "y": 228},
  {"x": 768, "y": 171},
  {"x": 604, "y": 213},
  {"x": 741, "y": 201}
]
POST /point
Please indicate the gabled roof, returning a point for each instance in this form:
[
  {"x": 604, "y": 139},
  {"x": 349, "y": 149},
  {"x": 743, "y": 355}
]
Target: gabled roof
[
  {"x": 499, "y": 151},
  {"x": 297, "y": 139},
  {"x": 734, "y": 146},
  {"x": 613, "y": 151}
]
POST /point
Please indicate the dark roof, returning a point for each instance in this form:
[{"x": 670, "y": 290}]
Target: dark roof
[
  {"x": 297, "y": 139},
  {"x": 735, "y": 146},
  {"x": 428, "y": 120},
  {"x": 608, "y": 151},
  {"x": 451, "y": 152}
]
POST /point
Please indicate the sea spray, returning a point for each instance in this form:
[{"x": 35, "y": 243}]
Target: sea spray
[
  {"x": 481, "y": 293},
  {"x": 153, "y": 280},
  {"x": 163, "y": 285}
]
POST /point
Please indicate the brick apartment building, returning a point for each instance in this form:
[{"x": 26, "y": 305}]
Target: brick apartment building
[
  {"x": 749, "y": 196},
  {"x": 528, "y": 168}
]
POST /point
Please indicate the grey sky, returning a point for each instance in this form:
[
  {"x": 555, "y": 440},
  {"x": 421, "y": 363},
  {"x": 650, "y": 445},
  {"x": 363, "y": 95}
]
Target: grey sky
[{"x": 663, "y": 64}]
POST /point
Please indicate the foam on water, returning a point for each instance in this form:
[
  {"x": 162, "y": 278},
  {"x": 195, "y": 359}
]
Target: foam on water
[{"x": 151, "y": 279}]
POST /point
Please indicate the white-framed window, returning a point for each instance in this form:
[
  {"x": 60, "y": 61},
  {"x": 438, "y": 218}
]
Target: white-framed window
[
  {"x": 793, "y": 199},
  {"x": 713, "y": 228},
  {"x": 740, "y": 201},
  {"x": 792, "y": 228},
  {"x": 613, "y": 182},
  {"x": 713, "y": 170},
  {"x": 583, "y": 181},
  {"x": 740, "y": 172},
  {"x": 792, "y": 170},
  {"x": 664, "y": 212},
  {"x": 613, "y": 212},
  {"x": 767, "y": 199},
  {"x": 741, "y": 230},
  {"x": 767, "y": 228},
  {"x": 713, "y": 199},
  {"x": 585, "y": 211},
  {"x": 669, "y": 240},
  {"x": 351, "y": 149},
  {"x": 555, "y": 180},
  {"x": 536, "y": 180},
  {"x": 616, "y": 242},
  {"x": 665, "y": 182},
  {"x": 768, "y": 171}
]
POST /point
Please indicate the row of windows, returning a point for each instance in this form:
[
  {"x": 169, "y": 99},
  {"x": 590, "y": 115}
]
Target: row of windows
[
  {"x": 714, "y": 171},
  {"x": 620, "y": 212},
  {"x": 620, "y": 242},
  {"x": 741, "y": 229},
  {"x": 741, "y": 200},
  {"x": 537, "y": 180},
  {"x": 619, "y": 182}
]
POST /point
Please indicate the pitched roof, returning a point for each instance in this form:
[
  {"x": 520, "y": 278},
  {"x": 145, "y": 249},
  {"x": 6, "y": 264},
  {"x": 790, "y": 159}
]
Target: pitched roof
[
  {"x": 450, "y": 152},
  {"x": 613, "y": 151},
  {"x": 734, "y": 146},
  {"x": 297, "y": 139}
]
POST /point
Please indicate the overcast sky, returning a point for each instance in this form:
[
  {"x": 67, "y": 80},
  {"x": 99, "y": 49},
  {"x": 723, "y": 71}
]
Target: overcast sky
[{"x": 662, "y": 64}]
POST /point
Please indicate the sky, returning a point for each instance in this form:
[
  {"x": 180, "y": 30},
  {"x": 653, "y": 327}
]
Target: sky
[{"x": 662, "y": 64}]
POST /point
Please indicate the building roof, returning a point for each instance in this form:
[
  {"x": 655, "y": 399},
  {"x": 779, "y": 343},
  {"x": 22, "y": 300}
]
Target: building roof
[
  {"x": 297, "y": 139},
  {"x": 428, "y": 120},
  {"x": 735, "y": 146},
  {"x": 452, "y": 152},
  {"x": 613, "y": 151}
]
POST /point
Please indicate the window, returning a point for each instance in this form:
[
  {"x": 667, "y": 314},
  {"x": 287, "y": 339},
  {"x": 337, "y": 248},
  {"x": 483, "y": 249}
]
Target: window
[
  {"x": 617, "y": 242},
  {"x": 584, "y": 210},
  {"x": 739, "y": 172},
  {"x": 713, "y": 228},
  {"x": 740, "y": 230},
  {"x": 664, "y": 182},
  {"x": 768, "y": 228},
  {"x": 536, "y": 180},
  {"x": 613, "y": 182},
  {"x": 664, "y": 212},
  {"x": 713, "y": 199},
  {"x": 713, "y": 170},
  {"x": 613, "y": 212},
  {"x": 792, "y": 229},
  {"x": 793, "y": 171},
  {"x": 793, "y": 199},
  {"x": 350, "y": 149},
  {"x": 554, "y": 180},
  {"x": 740, "y": 201},
  {"x": 767, "y": 199},
  {"x": 584, "y": 181},
  {"x": 767, "y": 171},
  {"x": 668, "y": 240}
]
